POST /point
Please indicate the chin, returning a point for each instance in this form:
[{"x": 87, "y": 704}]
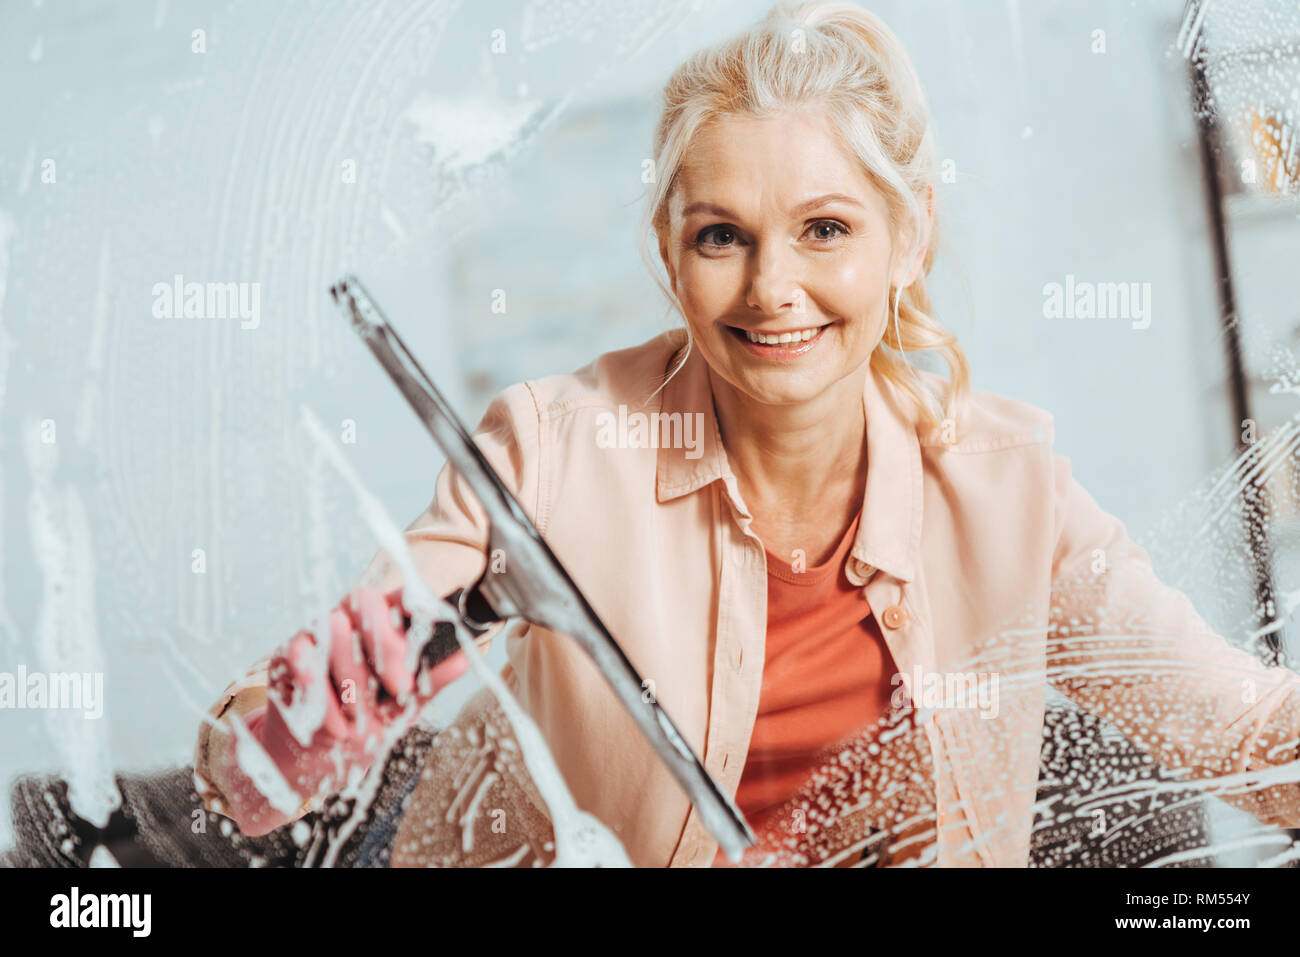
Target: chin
[{"x": 790, "y": 388}]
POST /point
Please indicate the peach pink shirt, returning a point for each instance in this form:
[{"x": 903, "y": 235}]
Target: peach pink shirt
[{"x": 976, "y": 553}]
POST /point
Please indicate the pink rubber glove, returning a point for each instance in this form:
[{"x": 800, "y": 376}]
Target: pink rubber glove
[{"x": 369, "y": 690}]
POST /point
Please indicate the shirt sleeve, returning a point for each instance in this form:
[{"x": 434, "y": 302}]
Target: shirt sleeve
[
  {"x": 448, "y": 544},
  {"x": 1133, "y": 650}
]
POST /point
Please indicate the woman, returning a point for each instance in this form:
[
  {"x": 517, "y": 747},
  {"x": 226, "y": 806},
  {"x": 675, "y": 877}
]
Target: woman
[{"x": 842, "y": 536}]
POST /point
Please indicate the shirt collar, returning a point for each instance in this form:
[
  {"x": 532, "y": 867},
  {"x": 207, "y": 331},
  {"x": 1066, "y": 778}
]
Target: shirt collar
[{"x": 889, "y": 534}]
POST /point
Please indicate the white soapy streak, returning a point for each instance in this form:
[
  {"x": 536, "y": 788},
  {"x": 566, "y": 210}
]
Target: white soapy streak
[
  {"x": 324, "y": 596},
  {"x": 471, "y": 812},
  {"x": 1285, "y": 604},
  {"x": 580, "y": 839},
  {"x": 468, "y": 130},
  {"x": 306, "y": 711},
  {"x": 1189, "y": 31},
  {"x": 261, "y": 770},
  {"x": 1247, "y": 468},
  {"x": 512, "y": 859},
  {"x": 102, "y": 857},
  {"x": 362, "y": 787},
  {"x": 1219, "y": 848},
  {"x": 1283, "y": 858},
  {"x": 462, "y": 786},
  {"x": 88, "y": 409},
  {"x": 67, "y": 638}
]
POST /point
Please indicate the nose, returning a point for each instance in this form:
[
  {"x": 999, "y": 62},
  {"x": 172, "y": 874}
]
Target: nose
[{"x": 773, "y": 282}]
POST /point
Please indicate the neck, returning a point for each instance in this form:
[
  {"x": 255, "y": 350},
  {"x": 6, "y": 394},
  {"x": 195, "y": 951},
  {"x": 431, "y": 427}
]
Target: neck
[{"x": 790, "y": 457}]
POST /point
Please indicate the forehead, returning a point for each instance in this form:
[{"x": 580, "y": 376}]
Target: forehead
[{"x": 744, "y": 161}]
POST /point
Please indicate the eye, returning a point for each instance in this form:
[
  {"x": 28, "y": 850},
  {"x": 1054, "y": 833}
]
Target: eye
[
  {"x": 827, "y": 229},
  {"x": 722, "y": 236}
]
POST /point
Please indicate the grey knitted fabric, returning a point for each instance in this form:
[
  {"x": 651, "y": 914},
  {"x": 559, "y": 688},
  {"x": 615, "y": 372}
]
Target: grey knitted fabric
[{"x": 161, "y": 823}]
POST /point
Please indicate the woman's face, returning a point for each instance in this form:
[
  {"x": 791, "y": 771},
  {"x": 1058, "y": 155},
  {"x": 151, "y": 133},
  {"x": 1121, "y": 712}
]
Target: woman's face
[{"x": 776, "y": 234}]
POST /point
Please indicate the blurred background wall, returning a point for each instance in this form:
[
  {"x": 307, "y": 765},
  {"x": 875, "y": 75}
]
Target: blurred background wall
[{"x": 176, "y": 524}]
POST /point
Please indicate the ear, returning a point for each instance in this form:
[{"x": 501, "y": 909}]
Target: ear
[{"x": 907, "y": 273}]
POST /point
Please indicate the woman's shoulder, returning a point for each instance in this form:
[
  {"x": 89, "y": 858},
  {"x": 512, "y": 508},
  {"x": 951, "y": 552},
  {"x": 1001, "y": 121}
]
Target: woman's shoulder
[
  {"x": 1002, "y": 462},
  {"x": 627, "y": 377},
  {"x": 989, "y": 421}
]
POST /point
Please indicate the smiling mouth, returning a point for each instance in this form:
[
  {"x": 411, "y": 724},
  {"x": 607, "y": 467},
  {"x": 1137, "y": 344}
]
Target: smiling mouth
[
  {"x": 781, "y": 338},
  {"x": 777, "y": 339}
]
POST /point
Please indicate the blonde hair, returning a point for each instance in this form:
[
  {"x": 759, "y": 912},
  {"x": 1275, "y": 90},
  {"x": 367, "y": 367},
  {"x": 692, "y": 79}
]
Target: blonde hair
[{"x": 845, "y": 60}]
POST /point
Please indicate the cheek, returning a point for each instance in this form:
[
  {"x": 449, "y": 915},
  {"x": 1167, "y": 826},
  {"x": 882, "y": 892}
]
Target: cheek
[
  {"x": 852, "y": 289},
  {"x": 706, "y": 290}
]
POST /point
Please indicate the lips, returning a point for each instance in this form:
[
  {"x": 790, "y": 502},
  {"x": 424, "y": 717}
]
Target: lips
[{"x": 778, "y": 343}]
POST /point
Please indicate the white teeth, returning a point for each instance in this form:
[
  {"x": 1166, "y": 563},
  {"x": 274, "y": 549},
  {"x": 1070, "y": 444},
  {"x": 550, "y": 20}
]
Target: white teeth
[{"x": 780, "y": 338}]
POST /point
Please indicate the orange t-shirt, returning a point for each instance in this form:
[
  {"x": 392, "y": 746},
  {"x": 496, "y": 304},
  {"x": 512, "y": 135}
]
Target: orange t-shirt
[{"x": 826, "y": 675}]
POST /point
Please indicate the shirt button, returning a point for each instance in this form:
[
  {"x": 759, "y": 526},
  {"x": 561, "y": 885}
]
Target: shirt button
[{"x": 894, "y": 617}]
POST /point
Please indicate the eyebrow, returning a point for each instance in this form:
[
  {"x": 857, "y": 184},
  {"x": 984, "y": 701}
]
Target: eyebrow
[{"x": 804, "y": 207}]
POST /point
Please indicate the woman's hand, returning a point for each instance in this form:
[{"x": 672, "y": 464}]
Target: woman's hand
[{"x": 367, "y": 688}]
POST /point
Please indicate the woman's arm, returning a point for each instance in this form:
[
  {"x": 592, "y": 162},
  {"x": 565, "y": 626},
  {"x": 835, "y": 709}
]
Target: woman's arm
[
  {"x": 1133, "y": 650},
  {"x": 448, "y": 543}
]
